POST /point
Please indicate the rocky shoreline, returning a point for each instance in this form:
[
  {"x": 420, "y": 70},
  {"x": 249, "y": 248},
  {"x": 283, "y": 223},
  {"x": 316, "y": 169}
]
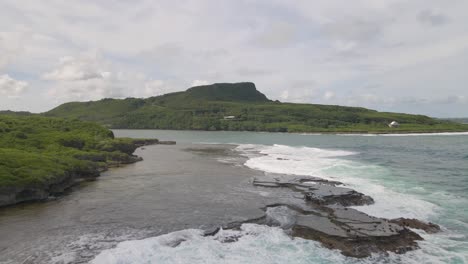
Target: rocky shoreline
[
  {"x": 58, "y": 185},
  {"x": 322, "y": 213}
]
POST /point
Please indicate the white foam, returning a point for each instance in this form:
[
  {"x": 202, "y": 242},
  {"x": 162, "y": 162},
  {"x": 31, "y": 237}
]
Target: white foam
[
  {"x": 263, "y": 244},
  {"x": 252, "y": 244},
  {"x": 409, "y": 134},
  {"x": 256, "y": 244},
  {"x": 331, "y": 165}
]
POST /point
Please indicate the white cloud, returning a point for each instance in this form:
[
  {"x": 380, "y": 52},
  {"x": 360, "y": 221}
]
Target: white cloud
[
  {"x": 10, "y": 87},
  {"x": 329, "y": 95},
  {"x": 407, "y": 47},
  {"x": 276, "y": 35},
  {"x": 10, "y": 46},
  {"x": 199, "y": 83},
  {"x": 83, "y": 90},
  {"x": 431, "y": 18},
  {"x": 155, "y": 88},
  {"x": 77, "y": 69}
]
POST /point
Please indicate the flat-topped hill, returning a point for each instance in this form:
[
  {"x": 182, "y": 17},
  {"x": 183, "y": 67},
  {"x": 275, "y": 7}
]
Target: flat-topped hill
[{"x": 245, "y": 91}]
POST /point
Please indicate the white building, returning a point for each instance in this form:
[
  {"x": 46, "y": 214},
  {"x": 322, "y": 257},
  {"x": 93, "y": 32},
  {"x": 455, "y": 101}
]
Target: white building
[
  {"x": 229, "y": 117},
  {"x": 394, "y": 124}
]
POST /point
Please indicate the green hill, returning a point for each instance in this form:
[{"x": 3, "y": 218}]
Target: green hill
[{"x": 207, "y": 108}]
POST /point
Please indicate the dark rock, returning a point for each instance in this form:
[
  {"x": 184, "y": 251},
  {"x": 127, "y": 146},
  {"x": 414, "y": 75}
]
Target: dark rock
[
  {"x": 145, "y": 142},
  {"x": 166, "y": 142},
  {"x": 417, "y": 224},
  {"x": 325, "y": 195},
  {"x": 315, "y": 190},
  {"x": 359, "y": 246},
  {"x": 326, "y": 218},
  {"x": 211, "y": 232},
  {"x": 354, "y": 233}
]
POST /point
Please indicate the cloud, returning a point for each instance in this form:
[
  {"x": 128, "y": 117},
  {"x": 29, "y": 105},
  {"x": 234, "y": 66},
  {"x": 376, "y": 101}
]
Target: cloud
[
  {"x": 340, "y": 45},
  {"x": 249, "y": 72},
  {"x": 76, "y": 69},
  {"x": 453, "y": 99},
  {"x": 300, "y": 91},
  {"x": 329, "y": 95},
  {"x": 351, "y": 35},
  {"x": 354, "y": 29},
  {"x": 83, "y": 90},
  {"x": 10, "y": 47},
  {"x": 155, "y": 88},
  {"x": 199, "y": 83},
  {"x": 429, "y": 17},
  {"x": 10, "y": 87},
  {"x": 276, "y": 35}
]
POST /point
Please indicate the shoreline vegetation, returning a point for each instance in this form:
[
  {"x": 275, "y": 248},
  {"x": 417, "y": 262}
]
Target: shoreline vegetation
[
  {"x": 42, "y": 157},
  {"x": 241, "y": 107}
]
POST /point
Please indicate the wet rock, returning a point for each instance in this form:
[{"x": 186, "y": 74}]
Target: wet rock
[
  {"x": 175, "y": 243},
  {"x": 417, "y": 224},
  {"x": 357, "y": 246},
  {"x": 316, "y": 190},
  {"x": 212, "y": 231},
  {"x": 166, "y": 143},
  {"x": 354, "y": 233},
  {"x": 326, "y": 195},
  {"x": 282, "y": 180},
  {"x": 146, "y": 142},
  {"x": 327, "y": 219}
]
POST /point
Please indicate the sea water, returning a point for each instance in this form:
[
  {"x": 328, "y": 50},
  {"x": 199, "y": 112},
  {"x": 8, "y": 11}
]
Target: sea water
[{"x": 415, "y": 176}]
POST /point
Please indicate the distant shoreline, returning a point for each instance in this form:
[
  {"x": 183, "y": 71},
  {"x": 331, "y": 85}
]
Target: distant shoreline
[{"x": 377, "y": 133}]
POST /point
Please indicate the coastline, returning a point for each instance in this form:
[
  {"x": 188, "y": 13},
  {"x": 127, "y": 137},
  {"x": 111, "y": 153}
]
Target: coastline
[
  {"x": 313, "y": 209},
  {"x": 435, "y": 132},
  {"x": 179, "y": 188},
  {"x": 12, "y": 195},
  {"x": 171, "y": 189}
]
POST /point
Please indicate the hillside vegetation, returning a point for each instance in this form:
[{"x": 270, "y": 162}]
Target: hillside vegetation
[
  {"x": 40, "y": 156},
  {"x": 204, "y": 108},
  {"x": 458, "y": 120}
]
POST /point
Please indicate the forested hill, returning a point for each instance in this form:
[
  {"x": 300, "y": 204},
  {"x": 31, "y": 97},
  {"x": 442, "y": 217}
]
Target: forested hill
[{"x": 240, "y": 106}]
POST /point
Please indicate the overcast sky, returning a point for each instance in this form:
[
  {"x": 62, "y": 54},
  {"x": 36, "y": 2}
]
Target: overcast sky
[{"x": 404, "y": 56}]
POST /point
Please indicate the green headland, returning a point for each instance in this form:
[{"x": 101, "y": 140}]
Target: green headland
[
  {"x": 241, "y": 107},
  {"x": 42, "y": 156}
]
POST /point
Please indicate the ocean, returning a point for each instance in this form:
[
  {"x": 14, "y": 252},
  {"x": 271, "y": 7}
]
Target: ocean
[
  {"x": 423, "y": 176},
  {"x": 137, "y": 213}
]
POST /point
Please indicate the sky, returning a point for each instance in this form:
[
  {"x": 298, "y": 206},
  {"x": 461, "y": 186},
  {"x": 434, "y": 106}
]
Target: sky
[{"x": 389, "y": 55}]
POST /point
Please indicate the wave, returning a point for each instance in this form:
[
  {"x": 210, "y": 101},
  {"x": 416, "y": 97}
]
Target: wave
[
  {"x": 263, "y": 244},
  {"x": 332, "y": 165},
  {"x": 251, "y": 244},
  {"x": 409, "y": 134}
]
